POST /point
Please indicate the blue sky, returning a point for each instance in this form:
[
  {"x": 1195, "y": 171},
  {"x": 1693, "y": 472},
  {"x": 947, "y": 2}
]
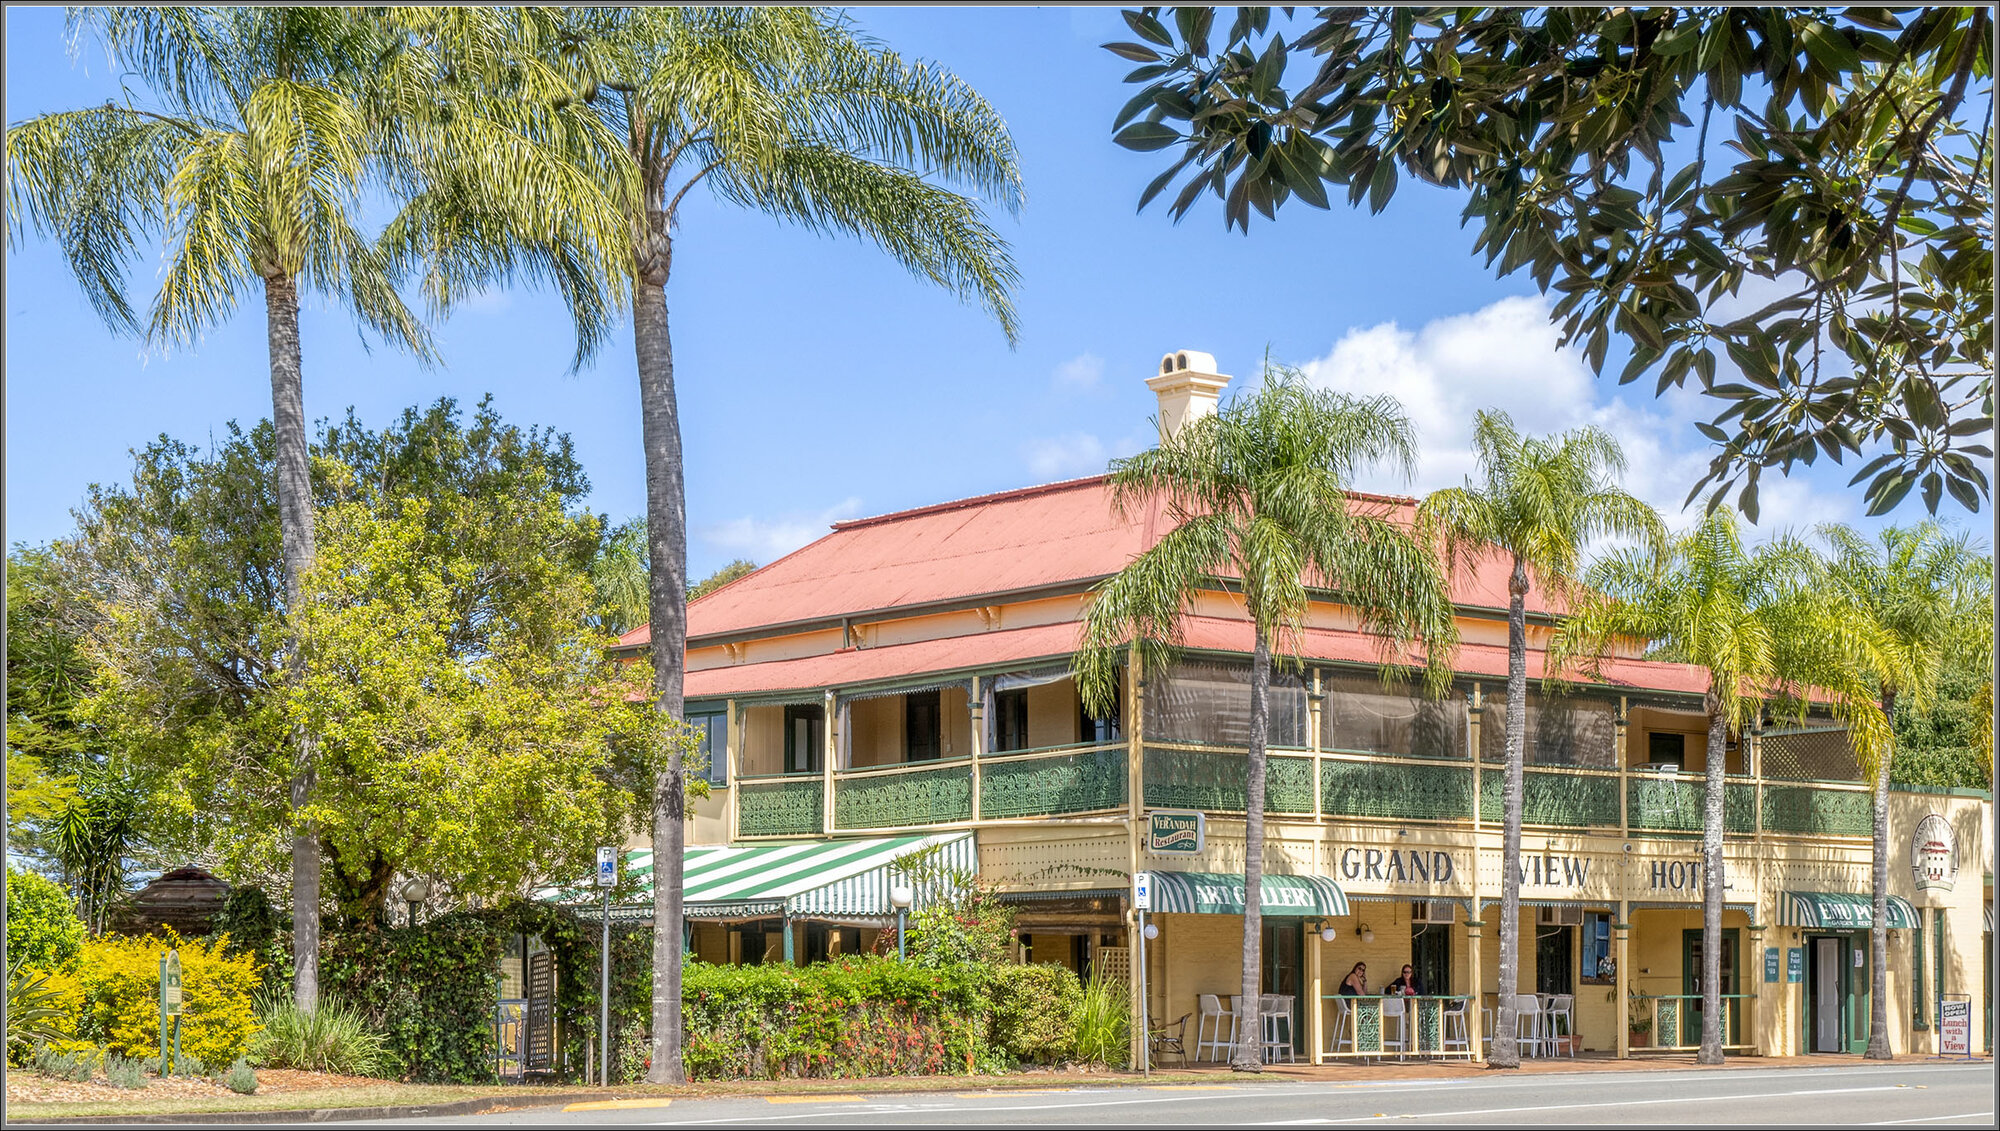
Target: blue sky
[{"x": 819, "y": 381}]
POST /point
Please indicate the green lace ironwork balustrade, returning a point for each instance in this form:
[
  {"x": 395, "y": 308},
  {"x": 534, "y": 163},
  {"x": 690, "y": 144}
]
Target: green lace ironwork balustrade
[
  {"x": 1667, "y": 1022},
  {"x": 1212, "y": 780},
  {"x": 1400, "y": 791},
  {"x": 1812, "y": 810},
  {"x": 1367, "y": 1024},
  {"x": 1430, "y": 1024},
  {"x": 778, "y": 808},
  {"x": 1675, "y": 804},
  {"x": 1552, "y": 797},
  {"x": 1039, "y": 786},
  {"x": 918, "y": 797}
]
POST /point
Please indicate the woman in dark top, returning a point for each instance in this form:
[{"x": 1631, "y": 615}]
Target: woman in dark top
[
  {"x": 1406, "y": 983},
  {"x": 1356, "y": 982}
]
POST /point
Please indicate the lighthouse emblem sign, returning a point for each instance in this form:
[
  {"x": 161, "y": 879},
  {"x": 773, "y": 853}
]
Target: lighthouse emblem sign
[{"x": 1934, "y": 854}]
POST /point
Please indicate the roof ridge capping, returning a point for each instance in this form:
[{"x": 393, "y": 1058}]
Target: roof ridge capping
[{"x": 973, "y": 501}]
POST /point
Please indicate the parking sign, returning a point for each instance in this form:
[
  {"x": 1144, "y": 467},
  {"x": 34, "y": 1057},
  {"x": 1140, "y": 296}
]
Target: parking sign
[
  {"x": 607, "y": 867},
  {"x": 1142, "y": 891}
]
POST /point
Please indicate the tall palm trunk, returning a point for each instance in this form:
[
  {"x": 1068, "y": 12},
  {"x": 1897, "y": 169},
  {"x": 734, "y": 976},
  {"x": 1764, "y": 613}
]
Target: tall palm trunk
[
  {"x": 1249, "y": 1047},
  {"x": 1712, "y": 880},
  {"x": 1878, "y": 934},
  {"x": 295, "y": 530},
  {"x": 666, "y": 533},
  {"x": 1505, "y": 1054}
]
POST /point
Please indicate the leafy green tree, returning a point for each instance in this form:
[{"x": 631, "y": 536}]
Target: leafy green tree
[
  {"x": 740, "y": 567},
  {"x": 620, "y": 575},
  {"x": 1909, "y": 586},
  {"x": 1257, "y": 500},
  {"x": 1538, "y": 506},
  {"x": 792, "y": 113},
  {"x": 1944, "y": 746},
  {"x": 43, "y": 930},
  {"x": 1764, "y": 632},
  {"x": 181, "y": 574},
  {"x": 1857, "y": 198},
  {"x": 95, "y": 835}
]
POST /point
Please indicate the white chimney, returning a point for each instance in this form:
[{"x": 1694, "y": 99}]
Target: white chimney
[{"x": 1188, "y": 387}]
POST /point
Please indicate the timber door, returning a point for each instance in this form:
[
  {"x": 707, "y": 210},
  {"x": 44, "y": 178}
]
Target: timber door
[
  {"x": 1284, "y": 954},
  {"x": 1691, "y": 984}
]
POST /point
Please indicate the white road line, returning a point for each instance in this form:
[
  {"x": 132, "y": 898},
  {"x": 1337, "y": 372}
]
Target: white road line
[
  {"x": 1610, "y": 1103},
  {"x": 1934, "y": 1118}
]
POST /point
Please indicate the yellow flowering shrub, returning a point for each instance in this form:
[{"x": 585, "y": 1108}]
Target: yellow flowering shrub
[{"x": 120, "y": 980}]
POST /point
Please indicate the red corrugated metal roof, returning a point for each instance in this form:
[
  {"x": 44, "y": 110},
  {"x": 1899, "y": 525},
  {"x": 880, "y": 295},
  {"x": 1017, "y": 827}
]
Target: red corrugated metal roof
[
  {"x": 1034, "y": 538},
  {"x": 854, "y": 666}
]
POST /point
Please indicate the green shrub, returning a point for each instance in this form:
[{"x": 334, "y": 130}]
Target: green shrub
[
  {"x": 124, "y": 1072},
  {"x": 332, "y": 1038},
  {"x": 253, "y": 926},
  {"x": 1034, "y": 1010},
  {"x": 35, "y": 1012},
  {"x": 240, "y": 1078},
  {"x": 853, "y": 1016},
  {"x": 1103, "y": 1022},
  {"x": 43, "y": 931},
  {"x": 185, "y": 1065},
  {"x": 428, "y": 990},
  {"x": 633, "y": 1052},
  {"x": 120, "y": 983}
]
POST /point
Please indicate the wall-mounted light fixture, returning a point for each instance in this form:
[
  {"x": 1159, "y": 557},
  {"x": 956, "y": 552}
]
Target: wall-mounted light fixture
[{"x": 1367, "y": 934}]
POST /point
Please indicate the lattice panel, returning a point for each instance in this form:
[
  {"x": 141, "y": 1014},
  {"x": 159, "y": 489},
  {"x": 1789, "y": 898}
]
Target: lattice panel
[{"x": 1818, "y": 754}]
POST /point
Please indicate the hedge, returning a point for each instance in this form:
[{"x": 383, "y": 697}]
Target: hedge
[
  {"x": 43, "y": 931},
  {"x": 114, "y": 996}
]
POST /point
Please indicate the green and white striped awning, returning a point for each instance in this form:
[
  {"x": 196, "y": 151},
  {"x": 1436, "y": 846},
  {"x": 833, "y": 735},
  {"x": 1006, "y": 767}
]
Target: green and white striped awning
[
  {"x": 1221, "y": 893},
  {"x": 1841, "y": 911},
  {"x": 832, "y": 880}
]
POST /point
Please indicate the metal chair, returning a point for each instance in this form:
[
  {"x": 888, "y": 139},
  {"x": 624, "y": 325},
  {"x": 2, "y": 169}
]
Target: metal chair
[
  {"x": 1394, "y": 1007},
  {"x": 1170, "y": 1038},
  {"x": 1528, "y": 1013},
  {"x": 1205, "y": 1040},
  {"x": 1341, "y": 1035},
  {"x": 1560, "y": 1007},
  {"x": 1275, "y": 1011},
  {"x": 1455, "y": 1032}
]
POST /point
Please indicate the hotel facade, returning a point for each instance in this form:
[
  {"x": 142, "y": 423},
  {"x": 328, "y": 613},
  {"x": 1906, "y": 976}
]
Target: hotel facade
[{"x": 903, "y": 682}]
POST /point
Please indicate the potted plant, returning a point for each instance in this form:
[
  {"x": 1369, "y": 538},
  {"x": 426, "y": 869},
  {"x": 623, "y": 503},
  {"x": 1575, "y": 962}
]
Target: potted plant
[{"x": 1639, "y": 1026}]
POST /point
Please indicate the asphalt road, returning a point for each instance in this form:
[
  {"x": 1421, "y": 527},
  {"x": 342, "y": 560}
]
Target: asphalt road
[{"x": 1908, "y": 1095}]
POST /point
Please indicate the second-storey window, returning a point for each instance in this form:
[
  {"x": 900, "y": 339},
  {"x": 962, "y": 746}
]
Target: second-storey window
[
  {"x": 1010, "y": 719},
  {"x": 713, "y": 726},
  {"x": 922, "y": 719}
]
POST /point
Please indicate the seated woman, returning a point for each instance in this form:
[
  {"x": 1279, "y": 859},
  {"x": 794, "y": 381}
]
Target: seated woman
[
  {"x": 1406, "y": 983},
  {"x": 1356, "y": 982}
]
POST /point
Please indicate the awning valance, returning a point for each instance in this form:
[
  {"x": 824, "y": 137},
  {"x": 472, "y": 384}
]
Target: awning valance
[
  {"x": 1221, "y": 893},
  {"x": 838, "y": 880},
  {"x": 1839, "y": 910}
]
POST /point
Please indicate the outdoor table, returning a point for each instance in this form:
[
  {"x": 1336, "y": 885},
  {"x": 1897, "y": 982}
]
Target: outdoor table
[{"x": 1423, "y": 1025}]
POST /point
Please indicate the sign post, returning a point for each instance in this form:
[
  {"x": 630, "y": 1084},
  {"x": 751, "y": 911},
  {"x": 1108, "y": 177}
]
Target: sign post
[
  {"x": 1142, "y": 902},
  {"x": 170, "y": 1010},
  {"x": 607, "y": 878}
]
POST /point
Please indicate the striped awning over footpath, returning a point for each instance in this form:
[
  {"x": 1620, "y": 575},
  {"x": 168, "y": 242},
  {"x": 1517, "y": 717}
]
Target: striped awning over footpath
[
  {"x": 1841, "y": 911},
  {"x": 831, "y": 880},
  {"x": 1221, "y": 893}
]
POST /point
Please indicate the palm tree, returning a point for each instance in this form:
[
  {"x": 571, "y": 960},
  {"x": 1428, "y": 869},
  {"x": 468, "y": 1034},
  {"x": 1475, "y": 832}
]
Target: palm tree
[
  {"x": 268, "y": 128},
  {"x": 1257, "y": 495},
  {"x": 250, "y": 165},
  {"x": 1756, "y": 623},
  {"x": 1910, "y": 587},
  {"x": 1540, "y": 502},
  {"x": 790, "y": 112}
]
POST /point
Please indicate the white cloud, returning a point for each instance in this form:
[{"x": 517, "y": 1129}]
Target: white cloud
[
  {"x": 1505, "y": 356},
  {"x": 1072, "y": 453},
  {"x": 764, "y": 540},
  {"x": 1081, "y": 372}
]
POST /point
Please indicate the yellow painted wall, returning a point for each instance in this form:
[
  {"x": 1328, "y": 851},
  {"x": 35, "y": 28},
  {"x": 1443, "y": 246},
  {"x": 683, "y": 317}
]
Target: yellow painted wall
[
  {"x": 763, "y": 741},
  {"x": 1052, "y": 714},
  {"x": 957, "y": 722},
  {"x": 708, "y": 821},
  {"x": 875, "y": 731}
]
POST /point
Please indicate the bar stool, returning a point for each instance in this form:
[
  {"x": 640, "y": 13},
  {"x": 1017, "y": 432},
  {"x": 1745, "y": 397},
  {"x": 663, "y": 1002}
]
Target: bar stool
[
  {"x": 1210, "y": 1007},
  {"x": 1561, "y": 1007},
  {"x": 1275, "y": 1012},
  {"x": 1394, "y": 1007},
  {"x": 1455, "y": 1032},
  {"x": 1528, "y": 1012}
]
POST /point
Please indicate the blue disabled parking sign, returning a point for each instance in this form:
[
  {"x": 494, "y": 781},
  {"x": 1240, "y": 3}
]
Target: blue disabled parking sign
[{"x": 607, "y": 867}]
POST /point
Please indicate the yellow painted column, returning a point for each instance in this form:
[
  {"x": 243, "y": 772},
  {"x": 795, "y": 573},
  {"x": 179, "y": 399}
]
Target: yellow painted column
[
  {"x": 1621, "y": 931},
  {"x": 1315, "y": 964},
  {"x": 732, "y": 768},
  {"x": 978, "y": 707},
  {"x": 832, "y": 732},
  {"x": 1476, "y": 984}
]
